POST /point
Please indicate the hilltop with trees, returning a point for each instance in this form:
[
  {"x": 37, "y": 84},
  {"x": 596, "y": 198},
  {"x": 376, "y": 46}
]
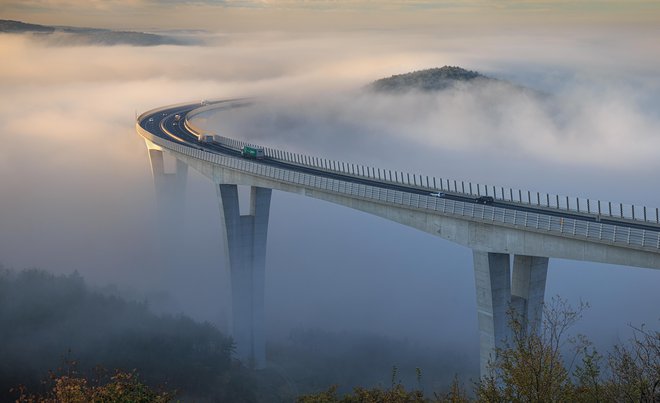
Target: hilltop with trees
[
  {"x": 80, "y": 36},
  {"x": 428, "y": 80}
]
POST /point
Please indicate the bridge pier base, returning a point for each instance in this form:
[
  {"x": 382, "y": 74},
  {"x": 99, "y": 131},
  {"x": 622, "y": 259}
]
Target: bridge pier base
[
  {"x": 497, "y": 292},
  {"x": 245, "y": 248}
]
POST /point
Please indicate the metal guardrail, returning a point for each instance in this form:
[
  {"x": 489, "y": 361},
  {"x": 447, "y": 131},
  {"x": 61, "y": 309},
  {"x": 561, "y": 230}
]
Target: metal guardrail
[
  {"x": 597, "y": 208},
  {"x": 537, "y": 222}
]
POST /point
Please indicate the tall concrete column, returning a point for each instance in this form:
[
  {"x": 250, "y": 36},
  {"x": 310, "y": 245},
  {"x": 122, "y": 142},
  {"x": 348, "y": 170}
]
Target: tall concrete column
[
  {"x": 170, "y": 187},
  {"x": 528, "y": 289},
  {"x": 492, "y": 274},
  {"x": 497, "y": 293},
  {"x": 170, "y": 204},
  {"x": 245, "y": 248}
]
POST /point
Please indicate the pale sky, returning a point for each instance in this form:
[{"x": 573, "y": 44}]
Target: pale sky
[{"x": 247, "y": 15}]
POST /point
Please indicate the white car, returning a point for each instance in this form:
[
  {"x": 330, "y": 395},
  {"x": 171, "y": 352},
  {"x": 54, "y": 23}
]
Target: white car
[{"x": 438, "y": 194}]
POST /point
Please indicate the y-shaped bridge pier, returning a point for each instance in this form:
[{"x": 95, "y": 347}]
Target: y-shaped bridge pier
[{"x": 245, "y": 249}]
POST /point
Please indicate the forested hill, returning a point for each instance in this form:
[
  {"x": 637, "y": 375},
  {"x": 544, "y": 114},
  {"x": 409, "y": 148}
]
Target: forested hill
[
  {"x": 88, "y": 36},
  {"x": 17, "y": 27},
  {"x": 48, "y": 321},
  {"x": 427, "y": 80}
]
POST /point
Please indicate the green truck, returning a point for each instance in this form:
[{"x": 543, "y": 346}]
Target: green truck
[{"x": 252, "y": 152}]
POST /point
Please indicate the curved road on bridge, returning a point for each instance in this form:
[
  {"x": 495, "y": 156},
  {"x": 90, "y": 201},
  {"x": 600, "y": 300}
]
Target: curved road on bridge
[{"x": 163, "y": 123}]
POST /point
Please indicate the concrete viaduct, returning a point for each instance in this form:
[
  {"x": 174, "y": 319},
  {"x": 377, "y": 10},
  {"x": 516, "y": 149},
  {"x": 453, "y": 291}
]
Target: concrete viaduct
[{"x": 512, "y": 233}]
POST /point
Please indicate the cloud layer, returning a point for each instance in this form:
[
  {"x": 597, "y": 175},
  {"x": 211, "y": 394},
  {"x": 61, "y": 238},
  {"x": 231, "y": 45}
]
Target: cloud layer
[{"x": 77, "y": 192}]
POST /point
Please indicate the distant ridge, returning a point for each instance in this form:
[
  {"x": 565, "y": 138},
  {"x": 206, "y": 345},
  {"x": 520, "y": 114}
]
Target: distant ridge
[
  {"x": 88, "y": 36},
  {"x": 427, "y": 80},
  {"x": 11, "y": 26}
]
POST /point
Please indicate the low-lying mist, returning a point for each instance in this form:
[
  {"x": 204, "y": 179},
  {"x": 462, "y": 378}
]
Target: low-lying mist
[
  {"x": 76, "y": 191},
  {"x": 592, "y": 128},
  {"x": 60, "y": 324}
]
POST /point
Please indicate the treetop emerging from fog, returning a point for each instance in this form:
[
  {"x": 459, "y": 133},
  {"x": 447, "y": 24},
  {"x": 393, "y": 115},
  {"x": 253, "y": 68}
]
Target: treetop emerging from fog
[{"x": 427, "y": 80}]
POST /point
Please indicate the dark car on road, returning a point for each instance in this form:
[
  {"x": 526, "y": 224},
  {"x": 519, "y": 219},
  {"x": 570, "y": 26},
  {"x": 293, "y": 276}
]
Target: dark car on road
[{"x": 484, "y": 200}]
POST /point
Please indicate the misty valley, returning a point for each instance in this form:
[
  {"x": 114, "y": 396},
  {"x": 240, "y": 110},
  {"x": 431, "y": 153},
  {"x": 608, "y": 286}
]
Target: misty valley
[
  {"x": 282, "y": 201},
  {"x": 60, "y": 326}
]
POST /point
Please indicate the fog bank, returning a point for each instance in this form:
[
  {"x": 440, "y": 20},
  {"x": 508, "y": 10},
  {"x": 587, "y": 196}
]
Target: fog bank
[{"x": 77, "y": 192}]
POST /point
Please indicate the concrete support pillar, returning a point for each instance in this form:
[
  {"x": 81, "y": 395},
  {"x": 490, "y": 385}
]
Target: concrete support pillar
[
  {"x": 168, "y": 185},
  {"x": 245, "y": 249},
  {"x": 528, "y": 286},
  {"x": 170, "y": 205},
  {"x": 496, "y": 295},
  {"x": 493, "y": 283}
]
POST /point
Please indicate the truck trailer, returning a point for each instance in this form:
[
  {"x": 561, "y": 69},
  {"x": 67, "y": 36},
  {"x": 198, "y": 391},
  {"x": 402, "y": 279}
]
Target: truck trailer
[{"x": 253, "y": 152}]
